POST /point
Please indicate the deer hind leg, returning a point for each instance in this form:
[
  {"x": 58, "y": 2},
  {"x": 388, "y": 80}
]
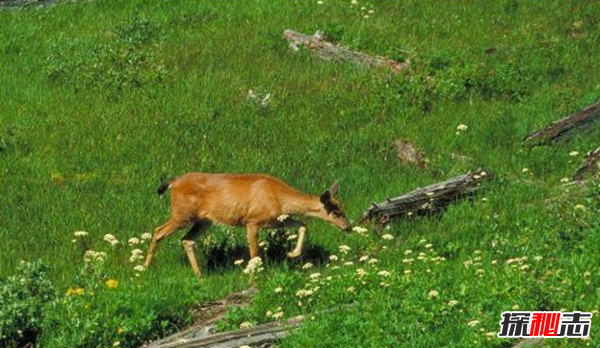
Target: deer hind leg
[
  {"x": 188, "y": 242},
  {"x": 160, "y": 233},
  {"x": 301, "y": 237}
]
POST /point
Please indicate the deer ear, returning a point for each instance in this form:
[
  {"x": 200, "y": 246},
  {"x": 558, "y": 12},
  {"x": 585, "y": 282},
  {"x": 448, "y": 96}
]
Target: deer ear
[
  {"x": 334, "y": 187},
  {"x": 325, "y": 197}
]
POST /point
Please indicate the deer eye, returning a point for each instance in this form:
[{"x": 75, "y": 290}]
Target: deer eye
[{"x": 336, "y": 214}]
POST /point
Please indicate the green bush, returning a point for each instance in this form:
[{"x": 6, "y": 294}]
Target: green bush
[{"x": 22, "y": 298}]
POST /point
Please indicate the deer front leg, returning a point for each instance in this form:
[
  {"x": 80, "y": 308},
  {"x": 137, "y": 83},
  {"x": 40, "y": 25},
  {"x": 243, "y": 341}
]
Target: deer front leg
[
  {"x": 252, "y": 235},
  {"x": 301, "y": 237}
]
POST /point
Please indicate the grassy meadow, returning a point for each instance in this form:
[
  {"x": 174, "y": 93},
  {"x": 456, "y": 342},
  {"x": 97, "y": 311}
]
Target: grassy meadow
[{"x": 102, "y": 100}]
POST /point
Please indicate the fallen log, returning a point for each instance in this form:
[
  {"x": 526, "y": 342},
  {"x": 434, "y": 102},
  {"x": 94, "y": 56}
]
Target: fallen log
[
  {"x": 260, "y": 335},
  {"x": 529, "y": 343},
  {"x": 331, "y": 52},
  {"x": 590, "y": 167},
  {"x": 579, "y": 122},
  {"x": 207, "y": 316},
  {"x": 433, "y": 198}
]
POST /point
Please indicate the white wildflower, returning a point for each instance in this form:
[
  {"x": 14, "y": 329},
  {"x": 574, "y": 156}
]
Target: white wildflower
[
  {"x": 133, "y": 241},
  {"x": 282, "y": 218},
  {"x": 145, "y": 236},
  {"x": 473, "y": 323},
  {"x": 278, "y": 289},
  {"x": 246, "y": 325},
  {"x": 238, "y": 262},
  {"x": 333, "y": 258},
  {"x": 80, "y": 233},
  {"x": 304, "y": 293},
  {"x": 462, "y": 127},
  {"x": 387, "y": 236},
  {"x": 307, "y": 265},
  {"x": 384, "y": 273},
  {"x": 139, "y": 268},
  {"x": 344, "y": 249},
  {"x": 433, "y": 294},
  {"x": 574, "y": 153},
  {"x": 359, "y": 229},
  {"x": 91, "y": 255},
  {"x": 452, "y": 303},
  {"x": 254, "y": 266}
]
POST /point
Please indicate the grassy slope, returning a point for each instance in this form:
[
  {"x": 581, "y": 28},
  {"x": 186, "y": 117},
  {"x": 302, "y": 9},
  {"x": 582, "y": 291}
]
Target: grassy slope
[{"x": 91, "y": 158}]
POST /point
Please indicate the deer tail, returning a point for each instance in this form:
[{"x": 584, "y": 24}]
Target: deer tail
[{"x": 164, "y": 187}]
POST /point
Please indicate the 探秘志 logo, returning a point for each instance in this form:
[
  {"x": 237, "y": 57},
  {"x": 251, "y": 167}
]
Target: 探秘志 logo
[{"x": 545, "y": 324}]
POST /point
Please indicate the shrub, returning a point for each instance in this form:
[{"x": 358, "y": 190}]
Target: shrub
[
  {"x": 127, "y": 61},
  {"x": 22, "y": 298}
]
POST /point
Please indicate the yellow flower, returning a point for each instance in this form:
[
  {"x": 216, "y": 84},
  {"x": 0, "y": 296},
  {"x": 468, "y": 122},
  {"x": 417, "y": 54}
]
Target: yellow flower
[
  {"x": 76, "y": 291},
  {"x": 112, "y": 283},
  {"x": 120, "y": 330}
]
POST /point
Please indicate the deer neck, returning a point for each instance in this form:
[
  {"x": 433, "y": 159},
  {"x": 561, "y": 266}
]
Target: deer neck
[{"x": 302, "y": 204}]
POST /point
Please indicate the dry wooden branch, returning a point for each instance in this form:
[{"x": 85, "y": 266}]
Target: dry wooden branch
[
  {"x": 260, "y": 335},
  {"x": 529, "y": 342},
  {"x": 332, "y": 52},
  {"x": 590, "y": 167},
  {"x": 408, "y": 153},
  {"x": 433, "y": 198},
  {"x": 565, "y": 128},
  {"x": 207, "y": 315}
]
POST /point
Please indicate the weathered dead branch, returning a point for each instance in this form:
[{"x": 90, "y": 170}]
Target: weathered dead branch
[
  {"x": 331, "y": 52},
  {"x": 579, "y": 122},
  {"x": 590, "y": 167},
  {"x": 260, "y": 335},
  {"x": 529, "y": 342},
  {"x": 206, "y": 315},
  {"x": 433, "y": 198}
]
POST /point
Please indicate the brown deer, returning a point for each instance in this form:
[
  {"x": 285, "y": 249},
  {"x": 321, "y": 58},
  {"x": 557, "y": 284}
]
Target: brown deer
[{"x": 253, "y": 201}]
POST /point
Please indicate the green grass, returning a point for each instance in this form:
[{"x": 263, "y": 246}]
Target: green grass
[{"x": 102, "y": 100}]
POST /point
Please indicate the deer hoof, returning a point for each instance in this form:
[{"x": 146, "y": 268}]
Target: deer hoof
[{"x": 293, "y": 254}]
